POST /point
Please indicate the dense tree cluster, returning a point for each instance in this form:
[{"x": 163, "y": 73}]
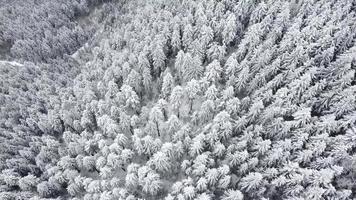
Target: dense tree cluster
[
  {"x": 43, "y": 30},
  {"x": 185, "y": 100}
]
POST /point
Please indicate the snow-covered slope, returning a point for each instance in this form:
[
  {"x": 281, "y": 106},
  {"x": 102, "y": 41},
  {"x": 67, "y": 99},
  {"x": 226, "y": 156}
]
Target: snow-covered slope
[{"x": 189, "y": 100}]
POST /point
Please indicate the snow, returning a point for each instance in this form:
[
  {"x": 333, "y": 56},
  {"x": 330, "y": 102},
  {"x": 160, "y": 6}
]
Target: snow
[{"x": 14, "y": 63}]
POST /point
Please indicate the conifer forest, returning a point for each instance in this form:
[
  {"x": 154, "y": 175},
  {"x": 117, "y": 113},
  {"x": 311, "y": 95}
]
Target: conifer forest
[{"x": 177, "y": 99}]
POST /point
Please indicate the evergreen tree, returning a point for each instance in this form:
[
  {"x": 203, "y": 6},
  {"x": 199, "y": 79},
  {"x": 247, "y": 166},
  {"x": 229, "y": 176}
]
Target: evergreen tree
[
  {"x": 192, "y": 88},
  {"x": 230, "y": 29},
  {"x": 156, "y": 116},
  {"x": 167, "y": 85},
  {"x": 176, "y": 98}
]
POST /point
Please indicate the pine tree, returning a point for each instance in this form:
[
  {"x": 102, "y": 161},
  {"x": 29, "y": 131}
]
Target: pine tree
[
  {"x": 167, "y": 85},
  {"x": 211, "y": 93},
  {"x": 216, "y": 52},
  {"x": 156, "y": 116},
  {"x": 151, "y": 183},
  {"x": 160, "y": 161},
  {"x": 187, "y": 38},
  {"x": 230, "y": 29},
  {"x": 197, "y": 145},
  {"x": 146, "y": 79},
  {"x": 192, "y": 66},
  {"x": 176, "y": 38},
  {"x": 189, "y": 192},
  {"x": 176, "y": 98},
  {"x": 173, "y": 124},
  {"x": 48, "y": 189},
  {"x": 213, "y": 71},
  {"x": 192, "y": 88},
  {"x": 207, "y": 35},
  {"x": 179, "y": 64},
  {"x": 130, "y": 96},
  {"x": 134, "y": 80},
  {"x": 159, "y": 58},
  {"x": 233, "y": 195},
  {"x": 251, "y": 182},
  {"x": 207, "y": 110},
  {"x": 28, "y": 183},
  {"x": 242, "y": 78}
]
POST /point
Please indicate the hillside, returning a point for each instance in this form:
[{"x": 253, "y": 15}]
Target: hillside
[{"x": 178, "y": 100}]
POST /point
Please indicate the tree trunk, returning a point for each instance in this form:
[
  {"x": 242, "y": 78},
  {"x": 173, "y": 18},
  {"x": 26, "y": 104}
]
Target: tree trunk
[
  {"x": 191, "y": 106},
  {"x": 131, "y": 130},
  {"x": 95, "y": 121},
  {"x": 165, "y": 115},
  {"x": 159, "y": 134}
]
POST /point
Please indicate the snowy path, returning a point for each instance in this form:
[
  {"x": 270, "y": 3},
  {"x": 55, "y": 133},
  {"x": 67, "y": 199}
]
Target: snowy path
[{"x": 14, "y": 63}]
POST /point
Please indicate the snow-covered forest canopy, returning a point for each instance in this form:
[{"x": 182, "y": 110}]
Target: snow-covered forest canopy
[{"x": 177, "y": 99}]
